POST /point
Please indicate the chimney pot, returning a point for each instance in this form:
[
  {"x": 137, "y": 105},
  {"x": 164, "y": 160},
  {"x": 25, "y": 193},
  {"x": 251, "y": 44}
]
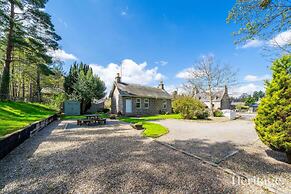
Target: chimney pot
[
  {"x": 118, "y": 78},
  {"x": 161, "y": 85}
]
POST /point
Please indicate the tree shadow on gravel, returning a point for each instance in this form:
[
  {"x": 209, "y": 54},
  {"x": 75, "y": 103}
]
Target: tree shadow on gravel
[
  {"x": 279, "y": 156},
  {"x": 105, "y": 161},
  {"x": 250, "y": 160}
]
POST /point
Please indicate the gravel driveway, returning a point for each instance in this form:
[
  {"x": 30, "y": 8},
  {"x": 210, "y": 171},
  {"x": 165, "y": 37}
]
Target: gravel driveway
[
  {"x": 231, "y": 144},
  {"x": 210, "y": 140},
  {"x": 107, "y": 159}
]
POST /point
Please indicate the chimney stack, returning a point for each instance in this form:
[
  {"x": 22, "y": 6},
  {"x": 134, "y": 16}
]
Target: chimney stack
[
  {"x": 161, "y": 85},
  {"x": 225, "y": 89},
  {"x": 118, "y": 78}
]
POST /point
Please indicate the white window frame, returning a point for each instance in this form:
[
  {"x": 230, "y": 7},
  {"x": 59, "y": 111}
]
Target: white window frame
[
  {"x": 136, "y": 103},
  {"x": 146, "y": 101},
  {"x": 165, "y": 104}
]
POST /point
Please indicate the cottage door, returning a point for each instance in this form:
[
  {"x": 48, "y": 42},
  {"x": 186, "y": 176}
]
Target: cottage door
[{"x": 128, "y": 106}]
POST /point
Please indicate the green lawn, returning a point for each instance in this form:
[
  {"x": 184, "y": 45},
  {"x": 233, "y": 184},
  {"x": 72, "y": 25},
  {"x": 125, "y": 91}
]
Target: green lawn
[
  {"x": 74, "y": 117},
  {"x": 16, "y": 115},
  {"x": 152, "y": 129},
  {"x": 150, "y": 118}
]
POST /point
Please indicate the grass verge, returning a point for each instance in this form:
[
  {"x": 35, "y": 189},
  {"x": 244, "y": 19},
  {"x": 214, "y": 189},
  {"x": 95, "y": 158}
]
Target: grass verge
[
  {"x": 76, "y": 117},
  {"x": 151, "y": 129},
  {"x": 154, "y": 130},
  {"x": 150, "y": 118},
  {"x": 16, "y": 115}
]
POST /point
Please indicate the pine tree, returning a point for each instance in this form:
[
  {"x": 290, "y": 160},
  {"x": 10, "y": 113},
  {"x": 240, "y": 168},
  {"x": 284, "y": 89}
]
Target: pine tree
[
  {"x": 25, "y": 26},
  {"x": 273, "y": 122}
]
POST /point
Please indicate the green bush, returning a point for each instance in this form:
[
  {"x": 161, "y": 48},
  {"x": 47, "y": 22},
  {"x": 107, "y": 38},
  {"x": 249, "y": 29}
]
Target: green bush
[
  {"x": 218, "y": 113},
  {"x": 241, "y": 107},
  {"x": 56, "y": 101},
  {"x": 273, "y": 122},
  {"x": 190, "y": 108}
]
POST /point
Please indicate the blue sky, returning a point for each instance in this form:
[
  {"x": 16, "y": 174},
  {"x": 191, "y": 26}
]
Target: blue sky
[{"x": 160, "y": 38}]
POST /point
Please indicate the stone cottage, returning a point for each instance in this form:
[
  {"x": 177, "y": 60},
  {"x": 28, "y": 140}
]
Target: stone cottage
[
  {"x": 220, "y": 100},
  {"x": 137, "y": 100}
]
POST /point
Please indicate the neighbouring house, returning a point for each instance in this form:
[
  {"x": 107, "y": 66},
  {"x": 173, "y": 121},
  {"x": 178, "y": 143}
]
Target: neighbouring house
[
  {"x": 97, "y": 106},
  {"x": 253, "y": 107},
  {"x": 137, "y": 100},
  {"x": 220, "y": 100}
]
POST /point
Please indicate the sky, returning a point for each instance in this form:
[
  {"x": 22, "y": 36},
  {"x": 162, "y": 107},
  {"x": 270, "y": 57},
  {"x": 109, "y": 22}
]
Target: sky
[{"x": 154, "y": 40}]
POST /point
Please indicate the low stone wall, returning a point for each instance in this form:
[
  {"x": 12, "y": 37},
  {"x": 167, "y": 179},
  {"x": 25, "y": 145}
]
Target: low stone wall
[{"x": 11, "y": 141}]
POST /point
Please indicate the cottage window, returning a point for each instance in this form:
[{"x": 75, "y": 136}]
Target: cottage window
[
  {"x": 146, "y": 103},
  {"x": 164, "y": 104},
  {"x": 138, "y": 103}
]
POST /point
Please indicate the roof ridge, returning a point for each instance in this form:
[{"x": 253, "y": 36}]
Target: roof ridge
[
  {"x": 142, "y": 90},
  {"x": 152, "y": 87}
]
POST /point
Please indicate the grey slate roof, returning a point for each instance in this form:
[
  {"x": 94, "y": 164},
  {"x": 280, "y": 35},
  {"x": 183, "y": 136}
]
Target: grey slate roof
[
  {"x": 135, "y": 90},
  {"x": 217, "y": 96}
]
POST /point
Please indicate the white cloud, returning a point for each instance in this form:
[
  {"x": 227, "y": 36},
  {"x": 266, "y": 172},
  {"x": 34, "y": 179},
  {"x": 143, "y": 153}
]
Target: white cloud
[
  {"x": 248, "y": 88},
  {"x": 124, "y": 12},
  {"x": 132, "y": 72},
  {"x": 62, "y": 55},
  {"x": 281, "y": 39},
  {"x": 188, "y": 73},
  {"x": 253, "y": 44},
  {"x": 185, "y": 73},
  {"x": 254, "y": 78},
  {"x": 162, "y": 63}
]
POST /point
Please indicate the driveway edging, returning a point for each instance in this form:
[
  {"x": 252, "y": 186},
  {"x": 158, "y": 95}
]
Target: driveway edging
[{"x": 226, "y": 170}]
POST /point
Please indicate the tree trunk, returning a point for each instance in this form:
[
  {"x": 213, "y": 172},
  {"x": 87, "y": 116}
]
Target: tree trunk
[
  {"x": 38, "y": 88},
  {"x": 31, "y": 92},
  {"x": 211, "y": 101},
  {"x": 23, "y": 87},
  {"x": 12, "y": 82},
  {"x": 4, "y": 87}
]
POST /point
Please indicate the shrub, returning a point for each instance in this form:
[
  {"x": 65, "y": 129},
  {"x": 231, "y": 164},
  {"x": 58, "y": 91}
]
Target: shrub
[
  {"x": 240, "y": 107},
  {"x": 113, "y": 116},
  {"x": 218, "y": 113},
  {"x": 56, "y": 101},
  {"x": 190, "y": 108},
  {"x": 106, "y": 110},
  {"x": 273, "y": 122}
]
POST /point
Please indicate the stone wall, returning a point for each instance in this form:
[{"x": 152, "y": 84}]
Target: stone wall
[
  {"x": 155, "y": 106},
  {"x": 115, "y": 102}
]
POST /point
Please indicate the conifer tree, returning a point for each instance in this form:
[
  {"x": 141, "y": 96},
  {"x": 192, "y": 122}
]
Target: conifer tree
[
  {"x": 273, "y": 122},
  {"x": 27, "y": 27}
]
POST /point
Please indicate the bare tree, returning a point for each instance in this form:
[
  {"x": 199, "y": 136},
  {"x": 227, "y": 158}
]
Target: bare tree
[{"x": 208, "y": 76}]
